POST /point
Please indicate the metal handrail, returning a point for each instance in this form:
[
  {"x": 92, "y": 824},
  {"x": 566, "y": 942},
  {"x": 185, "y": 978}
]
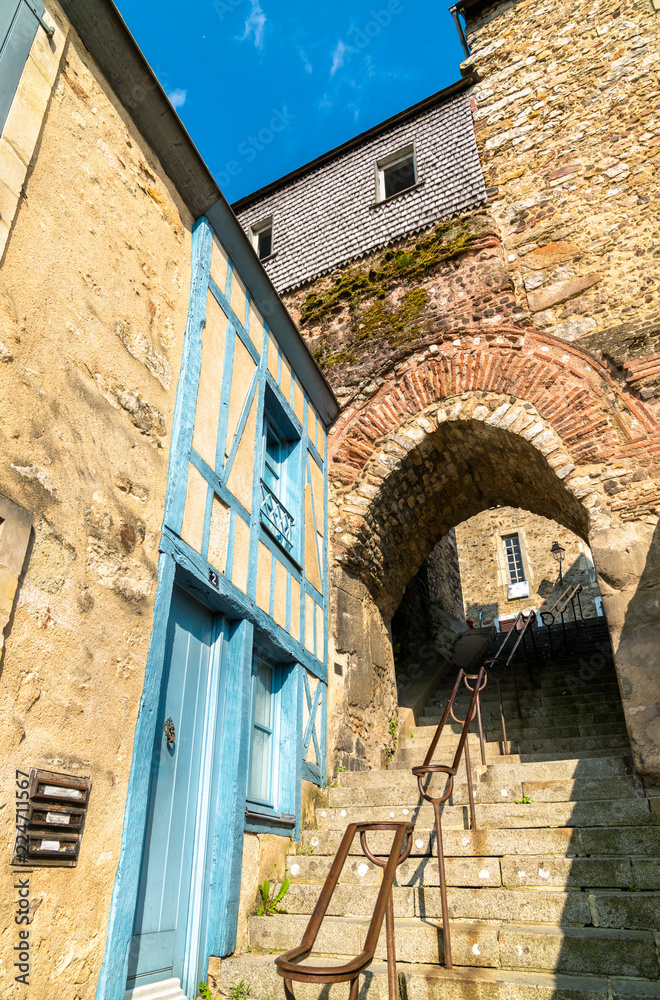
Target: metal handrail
[
  {"x": 288, "y": 964},
  {"x": 549, "y": 617},
  {"x": 521, "y": 624},
  {"x": 450, "y": 771}
]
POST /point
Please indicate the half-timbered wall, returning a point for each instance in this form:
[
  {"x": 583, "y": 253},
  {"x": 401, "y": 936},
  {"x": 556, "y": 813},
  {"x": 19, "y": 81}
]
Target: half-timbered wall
[{"x": 218, "y": 520}]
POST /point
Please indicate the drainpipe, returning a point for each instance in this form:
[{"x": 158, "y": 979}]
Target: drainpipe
[{"x": 459, "y": 27}]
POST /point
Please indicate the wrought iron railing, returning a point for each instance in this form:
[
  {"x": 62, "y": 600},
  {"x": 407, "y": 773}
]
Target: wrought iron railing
[
  {"x": 289, "y": 965},
  {"x": 278, "y": 519},
  {"x": 559, "y": 610},
  {"x": 495, "y": 667}
]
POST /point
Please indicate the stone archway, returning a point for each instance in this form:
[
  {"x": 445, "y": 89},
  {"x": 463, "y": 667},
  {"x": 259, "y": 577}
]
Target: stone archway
[{"x": 515, "y": 418}]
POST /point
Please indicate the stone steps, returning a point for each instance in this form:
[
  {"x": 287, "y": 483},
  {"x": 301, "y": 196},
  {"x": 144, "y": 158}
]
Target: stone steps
[
  {"x": 538, "y": 791},
  {"x": 543, "y": 872},
  {"x": 528, "y": 946},
  {"x": 509, "y": 815},
  {"x": 506, "y": 768},
  {"x": 429, "y": 982},
  {"x": 556, "y": 895},
  {"x": 620, "y": 910},
  {"x": 641, "y": 842}
]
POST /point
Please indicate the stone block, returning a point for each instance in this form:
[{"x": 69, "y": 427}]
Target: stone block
[
  {"x": 349, "y": 900},
  {"x": 337, "y": 936},
  {"x": 646, "y": 874},
  {"x": 579, "y": 950},
  {"x": 422, "y": 941},
  {"x": 26, "y": 113},
  {"x": 506, "y": 906},
  {"x": 637, "y": 910},
  {"x": 561, "y": 872},
  {"x": 551, "y": 254},
  {"x": 560, "y": 291}
]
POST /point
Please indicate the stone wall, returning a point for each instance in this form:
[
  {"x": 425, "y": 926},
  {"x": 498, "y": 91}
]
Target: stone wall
[
  {"x": 94, "y": 294},
  {"x": 568, "y": 125},
  {"x": 484, "y": 574},
  {"x": 444, "y": 576}
]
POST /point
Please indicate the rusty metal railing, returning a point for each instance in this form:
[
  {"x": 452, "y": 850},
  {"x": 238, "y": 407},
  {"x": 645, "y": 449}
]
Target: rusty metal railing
[
  {"x": 289, "y": 965},
  {"x": 559, "y": 609},
  {"x": 504, "y": 661}
]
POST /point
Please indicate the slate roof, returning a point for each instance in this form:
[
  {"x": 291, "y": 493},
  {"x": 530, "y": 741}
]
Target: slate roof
[{"x": 326, "y": 214}]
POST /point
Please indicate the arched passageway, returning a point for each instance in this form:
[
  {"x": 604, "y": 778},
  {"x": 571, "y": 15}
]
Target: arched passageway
[{"x": 433, "y": 445}]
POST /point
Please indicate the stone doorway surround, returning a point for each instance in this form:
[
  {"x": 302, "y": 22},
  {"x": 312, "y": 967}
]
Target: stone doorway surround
[{"x": 514, "y": 418}]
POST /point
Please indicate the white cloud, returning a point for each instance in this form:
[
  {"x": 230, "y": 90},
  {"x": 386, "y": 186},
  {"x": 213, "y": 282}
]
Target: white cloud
[
  {"x": 177, "y": 97},
  {"x": 338, "y": 56},
  {"x": 255, "y": 25},
  {"x": 306, "y": 63}
]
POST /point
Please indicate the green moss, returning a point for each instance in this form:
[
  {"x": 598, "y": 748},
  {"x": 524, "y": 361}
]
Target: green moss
[
  {"x": 343, "y": 357},
  {"x": 398, "y": 325},
  {"x": 447, "y": 241}
]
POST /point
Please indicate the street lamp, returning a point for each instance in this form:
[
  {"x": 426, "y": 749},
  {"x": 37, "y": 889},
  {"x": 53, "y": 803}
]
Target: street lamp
[{"x": 558, "y": 553}]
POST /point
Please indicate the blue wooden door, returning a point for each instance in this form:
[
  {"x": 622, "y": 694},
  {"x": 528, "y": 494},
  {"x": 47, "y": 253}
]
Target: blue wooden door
[{"x": 169, "y": 929}]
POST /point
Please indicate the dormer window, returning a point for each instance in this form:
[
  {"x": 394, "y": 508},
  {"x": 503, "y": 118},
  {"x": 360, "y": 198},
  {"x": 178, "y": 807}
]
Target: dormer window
[
  {"x": 396, "y": 173},
  {"x": 262, "y": 238}
]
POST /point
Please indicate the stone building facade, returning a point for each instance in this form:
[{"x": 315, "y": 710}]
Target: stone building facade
[
  {"x": 491, "y": 573},
  {"x": 147, "y": 370},
  {"x": 507, "y": 356}
]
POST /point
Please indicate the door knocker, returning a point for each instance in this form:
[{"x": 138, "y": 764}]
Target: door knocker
[{"x": 168, "y": 728}]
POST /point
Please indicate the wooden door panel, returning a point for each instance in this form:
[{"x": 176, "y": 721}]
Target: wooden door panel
[{"x": 165, "y": 878}]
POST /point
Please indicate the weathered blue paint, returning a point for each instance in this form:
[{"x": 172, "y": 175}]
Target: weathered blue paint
[
  {"x": 259, "y": 446},
  {"x": 231, "y": 602},
  {"x": 124, "y": 894},
  {"x": 229, "y": 568},
  {"x": 212, "y": 479},
  {"x": 281, "y": 555},
  {"x": 207, "y": 523},
  {"x": 240, "y": 325},
  {"x": 191, "y": 363},
  {"x": 225, "y": 395},
  {"x": 284, "y": 403},
  {"x": 227, "y": 856},
  {"x": 254, "y": 385},
  {"x": 178, "y": 561}
]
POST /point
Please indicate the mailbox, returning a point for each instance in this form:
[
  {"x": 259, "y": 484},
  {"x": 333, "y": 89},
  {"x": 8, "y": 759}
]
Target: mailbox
[{"x": 55, "y": 820}]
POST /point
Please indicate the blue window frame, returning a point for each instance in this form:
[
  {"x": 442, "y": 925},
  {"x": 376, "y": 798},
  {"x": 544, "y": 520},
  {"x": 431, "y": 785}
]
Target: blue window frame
[
  {"x": 280, "y": 479},
  {"x": 262, "y": 781},
  {"x": 19, "y": 21}
]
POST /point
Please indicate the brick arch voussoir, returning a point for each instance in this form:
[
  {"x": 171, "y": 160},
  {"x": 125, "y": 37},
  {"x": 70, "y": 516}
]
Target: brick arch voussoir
[{"x": 557, "y": 397}]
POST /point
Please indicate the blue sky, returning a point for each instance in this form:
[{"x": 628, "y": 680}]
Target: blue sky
[{"x": 263, "y": 86}]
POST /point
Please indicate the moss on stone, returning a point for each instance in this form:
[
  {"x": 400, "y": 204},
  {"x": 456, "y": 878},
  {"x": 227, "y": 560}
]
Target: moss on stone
[
  {"x": 447, "y": 241},
  {"x": 397, "y": 325}
]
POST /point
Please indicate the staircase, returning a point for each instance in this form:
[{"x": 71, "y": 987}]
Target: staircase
[{"x": 555, "y": 895}]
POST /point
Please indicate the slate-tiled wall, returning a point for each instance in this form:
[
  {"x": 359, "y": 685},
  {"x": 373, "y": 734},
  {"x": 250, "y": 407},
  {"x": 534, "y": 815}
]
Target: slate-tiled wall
[{"x": 330, "y": 215}]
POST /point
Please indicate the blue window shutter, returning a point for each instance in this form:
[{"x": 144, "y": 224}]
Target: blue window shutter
[{"x": 18, "y": 26}]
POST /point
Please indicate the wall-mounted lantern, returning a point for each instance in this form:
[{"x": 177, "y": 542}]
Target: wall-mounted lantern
[{"x": 558, "y": 553}]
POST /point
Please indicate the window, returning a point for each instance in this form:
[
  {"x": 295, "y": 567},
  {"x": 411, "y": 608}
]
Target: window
[
  {"x": 279, "y": 482},
  {"x": 514, "y": 559},
  {"x": 261, "y": 785},
  {"x": 262, "y": 238},
  {"x": 396, "y": 173},
  {"x": 19, "y": 20}
]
